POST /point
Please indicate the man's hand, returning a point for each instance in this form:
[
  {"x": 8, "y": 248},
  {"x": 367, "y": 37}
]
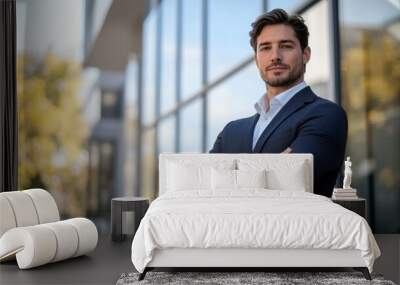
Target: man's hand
[{"x": 287, "y": 150}]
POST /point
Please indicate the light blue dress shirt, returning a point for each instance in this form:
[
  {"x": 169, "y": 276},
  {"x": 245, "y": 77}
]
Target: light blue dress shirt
[{"x": 267, "y": 113}]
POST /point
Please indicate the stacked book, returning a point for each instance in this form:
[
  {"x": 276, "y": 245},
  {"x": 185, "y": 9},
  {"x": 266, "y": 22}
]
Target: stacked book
[{"x": 344, "y": 194}]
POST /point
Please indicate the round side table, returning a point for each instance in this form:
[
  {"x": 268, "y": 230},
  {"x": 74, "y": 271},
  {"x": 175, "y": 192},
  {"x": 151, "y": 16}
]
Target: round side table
[{"x": 138, "y": 205}]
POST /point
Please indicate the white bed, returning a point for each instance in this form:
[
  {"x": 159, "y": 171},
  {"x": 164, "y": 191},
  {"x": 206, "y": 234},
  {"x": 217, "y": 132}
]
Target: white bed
[{"x": 247, "y": 210}]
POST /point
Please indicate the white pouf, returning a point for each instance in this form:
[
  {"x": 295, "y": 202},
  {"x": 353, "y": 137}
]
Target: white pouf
[
  {"x": 31, "y": 232},
  {"x": 7, "y": 219}
]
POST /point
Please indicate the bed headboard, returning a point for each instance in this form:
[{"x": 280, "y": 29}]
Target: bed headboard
[{"x": 282, "y": 161}]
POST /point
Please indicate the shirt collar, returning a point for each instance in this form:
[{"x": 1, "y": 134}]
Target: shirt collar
[{"x": 280, "y": 99}]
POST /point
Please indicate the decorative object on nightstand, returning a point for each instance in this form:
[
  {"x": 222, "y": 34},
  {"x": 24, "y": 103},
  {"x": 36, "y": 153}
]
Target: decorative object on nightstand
[
  {"x": 357, "y": 205},
  {"x": 347, "y": 196},
  {"x": 346, "y": 193},
  {"x": 347, "y": 174},
  {"x": 119, "y": 208}
]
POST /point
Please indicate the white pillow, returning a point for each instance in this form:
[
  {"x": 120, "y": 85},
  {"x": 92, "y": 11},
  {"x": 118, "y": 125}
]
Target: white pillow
[
  {"x": 293, "y": 180},
  {"x": 187, "y": 177},
  {"x": 191, "y": 174},
  {"x": 226, "y": 179},
  {"x": 223, "y": 179},
  {"x": 281, "y": 175},
  {"x": 251, "y": 178}
]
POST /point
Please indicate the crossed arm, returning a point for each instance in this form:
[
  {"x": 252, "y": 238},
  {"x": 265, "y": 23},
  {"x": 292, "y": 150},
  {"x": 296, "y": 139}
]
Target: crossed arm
[{"x": 324, "y": 135}]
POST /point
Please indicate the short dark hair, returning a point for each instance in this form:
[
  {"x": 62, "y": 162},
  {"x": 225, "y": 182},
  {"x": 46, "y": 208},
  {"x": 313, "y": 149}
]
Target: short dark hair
[{"x": 279, "y": 16}]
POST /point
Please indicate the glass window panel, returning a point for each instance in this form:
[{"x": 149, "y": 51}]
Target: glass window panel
[
  {"x": 370, "y": 39},
  {"x": 232, "y": 100},
  {"x": 191, "y": 121},
  {"x": 166, "y": 135},
  {"x": 318, "y": 68},
  {"x": 92, "y": 204},
  {"x": 106, "y": 172},
  {"x": 168, "y": 54},
  {"x": 131, "y": 127},
  {"x": 149, "y": 72},
  {"x": 148, "y": 165},
  {"x": 229, "y": 44},
  {"x": 101, "y": 176},
  {"x": 191, "y": 47},
  {"x": 111, "y": 104}
]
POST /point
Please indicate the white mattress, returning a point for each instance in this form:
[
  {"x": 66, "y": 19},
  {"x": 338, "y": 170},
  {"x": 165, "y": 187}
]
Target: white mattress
[{"x": 258, "y": 219}]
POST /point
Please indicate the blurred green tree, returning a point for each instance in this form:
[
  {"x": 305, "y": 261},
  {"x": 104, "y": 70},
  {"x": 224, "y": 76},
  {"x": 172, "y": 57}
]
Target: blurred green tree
[
  {"x": 51, "y": 129},
  {"x": 371, "y": 97}
]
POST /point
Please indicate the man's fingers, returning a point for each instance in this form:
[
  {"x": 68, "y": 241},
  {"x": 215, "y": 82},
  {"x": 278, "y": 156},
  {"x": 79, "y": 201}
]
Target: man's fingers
[{"x": 287, "y": 150}]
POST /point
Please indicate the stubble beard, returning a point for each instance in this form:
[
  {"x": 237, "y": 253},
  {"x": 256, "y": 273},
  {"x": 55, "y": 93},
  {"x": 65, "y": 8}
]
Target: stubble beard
[{"x": 292, "y": 77}]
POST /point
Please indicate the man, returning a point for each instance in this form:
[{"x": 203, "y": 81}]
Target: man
[{"x": 290, "y": 118}]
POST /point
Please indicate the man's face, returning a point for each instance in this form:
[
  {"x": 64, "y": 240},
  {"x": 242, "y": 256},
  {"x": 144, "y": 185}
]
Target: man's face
[{"x": 279, "y": 57}]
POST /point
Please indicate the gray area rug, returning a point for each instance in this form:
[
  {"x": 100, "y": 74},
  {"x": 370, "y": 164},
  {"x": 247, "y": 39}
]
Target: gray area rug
[{"x": 226, "y": 278}]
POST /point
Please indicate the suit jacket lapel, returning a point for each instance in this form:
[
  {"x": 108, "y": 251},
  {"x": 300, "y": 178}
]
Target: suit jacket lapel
[
  {"x": 245, "y": 133},
  {"x": 302, "y": 97},
  {"x": 251, "y": 127}
]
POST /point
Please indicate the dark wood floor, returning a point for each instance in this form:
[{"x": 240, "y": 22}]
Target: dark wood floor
[
  {"x": 102, "y": 266},
  {"x": 110, "y": 259}
]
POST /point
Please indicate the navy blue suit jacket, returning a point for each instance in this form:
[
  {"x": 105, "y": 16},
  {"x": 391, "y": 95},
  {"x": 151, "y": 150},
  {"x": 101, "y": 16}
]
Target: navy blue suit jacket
[{"x": 306, "y": 124}]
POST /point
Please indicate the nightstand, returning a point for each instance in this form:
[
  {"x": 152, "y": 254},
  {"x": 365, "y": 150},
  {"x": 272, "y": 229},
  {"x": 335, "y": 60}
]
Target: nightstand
[
  {"x": 119, "y": 207},
  {"x": 357, "y": 205}
]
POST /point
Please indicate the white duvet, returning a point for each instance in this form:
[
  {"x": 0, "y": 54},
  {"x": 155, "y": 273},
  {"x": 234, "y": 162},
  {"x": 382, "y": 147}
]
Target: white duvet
[{"x": 250, "y": 219}]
